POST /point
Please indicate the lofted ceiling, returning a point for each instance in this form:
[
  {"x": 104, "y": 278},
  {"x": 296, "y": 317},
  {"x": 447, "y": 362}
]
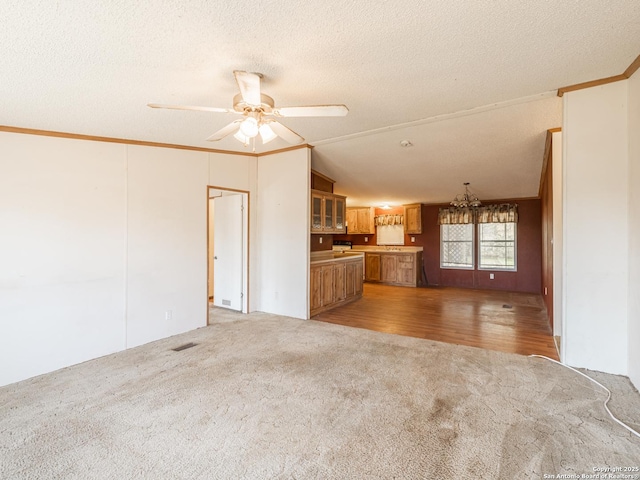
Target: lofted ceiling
[{"x": 470, "y": 84}]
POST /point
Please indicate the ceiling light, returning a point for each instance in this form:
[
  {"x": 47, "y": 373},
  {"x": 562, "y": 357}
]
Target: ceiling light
[
  {"x": 385, "y": 207},
  {"x": 266, "y": 133},
  {"x": 241, "y": 137},
  {"x": 406, "y": 143},
  {"x": 249, "y": 127},
  {"x": 466, "y": 199}
]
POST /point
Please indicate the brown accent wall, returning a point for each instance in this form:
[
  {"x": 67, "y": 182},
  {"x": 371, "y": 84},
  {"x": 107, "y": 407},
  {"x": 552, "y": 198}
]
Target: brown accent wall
[
  {"x": 316, "y": 246},
  {"x": 526, "y": 279}
]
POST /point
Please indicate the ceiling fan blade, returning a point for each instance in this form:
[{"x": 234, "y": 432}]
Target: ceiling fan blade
[
  {"x": 249, "y": 84},
  {"x": 190, "y": 107},
  {"x": 312, "y": 111},
  {"x": 286, "y": 133},
  {"x": 224, "y": 131}
]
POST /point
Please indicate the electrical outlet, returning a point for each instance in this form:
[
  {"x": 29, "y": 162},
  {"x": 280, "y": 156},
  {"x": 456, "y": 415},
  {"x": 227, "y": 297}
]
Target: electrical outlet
[
  {"x": 320, "y": 239},
  {"x": 413, "y": 239},
  {"x": 545, "y": 290},
  {"x": 491, "y": 276},
  {"x": 168, "y": 315},
  {"x": 366, "y": 239}
]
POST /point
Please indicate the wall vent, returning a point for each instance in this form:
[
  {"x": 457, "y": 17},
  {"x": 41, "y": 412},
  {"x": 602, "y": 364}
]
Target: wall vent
[
  {"x": 226, "y": 302},
  {"x": 506, "y": 305},
  {"x": 184, "y": 347}
]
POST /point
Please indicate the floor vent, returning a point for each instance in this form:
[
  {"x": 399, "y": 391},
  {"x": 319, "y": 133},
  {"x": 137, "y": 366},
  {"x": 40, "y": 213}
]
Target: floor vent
[
  {"x": 506, "y": 305},
  {"x": 184, "y": 347}
]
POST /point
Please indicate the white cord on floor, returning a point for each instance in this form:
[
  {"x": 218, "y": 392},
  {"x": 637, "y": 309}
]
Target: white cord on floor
[{"x": 600, "y": 385}]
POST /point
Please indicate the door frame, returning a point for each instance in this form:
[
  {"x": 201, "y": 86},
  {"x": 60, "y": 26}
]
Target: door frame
[{"x": 246, "y": 245}]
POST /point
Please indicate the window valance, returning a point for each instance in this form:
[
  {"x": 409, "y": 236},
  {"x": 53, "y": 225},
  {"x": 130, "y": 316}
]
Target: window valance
[
  {"x": 382, "y": 220},
  {"x": 503, "y": 213},
  {"x": 500, "y": 213},
  {"x": 454, "y": 216}
]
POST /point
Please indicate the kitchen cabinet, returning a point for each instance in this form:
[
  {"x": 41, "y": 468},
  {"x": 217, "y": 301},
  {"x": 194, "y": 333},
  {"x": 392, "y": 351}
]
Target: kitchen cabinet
[
  {"x": 339, "y": 286},
  {"x": 388, "y": 268},
  {"x": 335, "y": 283},
  {"x": 353, "y": 279},
  {"x": 327, "y": 212},
  {"x": 360, "y": 220},
  {"x": 413, "y": 219},
  {"x": 372, "y": 267},
  {"x": 394, "y": 268}
]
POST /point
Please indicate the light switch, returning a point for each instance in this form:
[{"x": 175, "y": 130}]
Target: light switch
[
  {"x": 413, "y": 239},
  {"x": 491, "y": 277}
]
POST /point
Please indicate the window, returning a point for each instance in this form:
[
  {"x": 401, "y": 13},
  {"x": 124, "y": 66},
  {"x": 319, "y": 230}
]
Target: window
[
  {"x": 456, "y": 246},
  {"x": 497, "y": 246}
]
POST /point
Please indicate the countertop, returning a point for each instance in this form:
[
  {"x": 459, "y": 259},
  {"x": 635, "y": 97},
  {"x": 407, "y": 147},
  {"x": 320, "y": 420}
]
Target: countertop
[
  {"x": 389, "y": 249},
  {"x": 330, "y": 256}
]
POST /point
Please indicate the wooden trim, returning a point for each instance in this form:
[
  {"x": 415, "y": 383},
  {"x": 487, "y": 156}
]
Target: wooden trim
[
  {"x": 633, "y": 68},
  {"x": 227, "y": 189},
  {"x": 592, "y": 83},
  {"x": 555, "y": 130},
  {"x": 281, "y": 150},
  {"x": 125, "y": 141},
  {"x": 635, "y": 65},
  {"x": 77, "y": 136},
  {"x": 318, "y": 174}
]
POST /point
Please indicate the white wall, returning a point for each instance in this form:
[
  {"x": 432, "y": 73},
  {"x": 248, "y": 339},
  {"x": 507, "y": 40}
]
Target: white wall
[
  {"x": 283, "y": 233},
  {"x": 62, "y": 251},
  {"x": 166, "y": 238},
  {"x": 634, "y": 229},
  {"x": 596, "y": 234},
  {"x": 98, "y": 241},
  {"x": 556, "y": 173}
]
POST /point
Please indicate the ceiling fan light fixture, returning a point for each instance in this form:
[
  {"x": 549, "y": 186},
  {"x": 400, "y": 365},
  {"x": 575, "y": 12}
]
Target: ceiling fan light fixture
[
  {"x": 241, "y": 137},
  {"x": 249, "y": 127},
  {"x": 266, "y": 133}
]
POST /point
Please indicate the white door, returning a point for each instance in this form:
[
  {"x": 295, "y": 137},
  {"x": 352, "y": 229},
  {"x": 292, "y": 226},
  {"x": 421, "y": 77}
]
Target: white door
[{"x": 227, "y": 252}]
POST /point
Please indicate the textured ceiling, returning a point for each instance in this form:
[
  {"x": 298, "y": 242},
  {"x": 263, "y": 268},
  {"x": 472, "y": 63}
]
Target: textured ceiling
[{"x": 91, "y": 68}]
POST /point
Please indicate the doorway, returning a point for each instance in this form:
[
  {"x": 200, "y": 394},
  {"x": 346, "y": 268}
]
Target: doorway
[{"x": 227, "y": 250}]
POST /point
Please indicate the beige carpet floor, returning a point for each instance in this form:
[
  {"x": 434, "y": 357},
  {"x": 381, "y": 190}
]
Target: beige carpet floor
[{"x": 263, "y": 396}]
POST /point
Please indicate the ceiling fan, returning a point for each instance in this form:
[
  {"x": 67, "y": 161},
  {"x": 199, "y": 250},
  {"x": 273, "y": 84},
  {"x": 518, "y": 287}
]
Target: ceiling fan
[{"x": 258, "y": 111}]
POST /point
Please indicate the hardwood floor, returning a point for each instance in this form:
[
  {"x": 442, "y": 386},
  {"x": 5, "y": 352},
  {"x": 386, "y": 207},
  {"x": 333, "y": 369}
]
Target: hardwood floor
[{"x": 477, "y": 318}]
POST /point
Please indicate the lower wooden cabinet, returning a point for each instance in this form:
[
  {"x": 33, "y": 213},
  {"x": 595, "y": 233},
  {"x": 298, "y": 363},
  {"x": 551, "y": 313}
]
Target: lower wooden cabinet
[
  {"x": 394, "y": 268},
  {"x": 335, "y": 283},
  {"x": 372, "y": 267}
]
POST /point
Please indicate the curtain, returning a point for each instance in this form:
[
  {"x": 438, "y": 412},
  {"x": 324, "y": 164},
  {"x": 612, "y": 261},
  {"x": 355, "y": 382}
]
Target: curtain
[
  {"x": 454, "y": 215},
  {"x": 504, "y": 213},
  {"x": 382, "y": 220}
]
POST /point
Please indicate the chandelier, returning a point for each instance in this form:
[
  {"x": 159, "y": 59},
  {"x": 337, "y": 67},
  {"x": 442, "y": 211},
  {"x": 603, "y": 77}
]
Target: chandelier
[{"x": 466, "y": 199}]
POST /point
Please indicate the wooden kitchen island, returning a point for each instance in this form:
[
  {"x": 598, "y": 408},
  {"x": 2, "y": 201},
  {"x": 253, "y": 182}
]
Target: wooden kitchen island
[
  {"x": 335, "y": 279},
  {"x": 393, "y": 265}
]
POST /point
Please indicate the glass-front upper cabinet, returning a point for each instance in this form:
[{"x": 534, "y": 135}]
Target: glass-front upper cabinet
[
  {"x": 329, "y": 214},
  {"x": 316, "y": 212},
  {"x": 340, "y": 215}
]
